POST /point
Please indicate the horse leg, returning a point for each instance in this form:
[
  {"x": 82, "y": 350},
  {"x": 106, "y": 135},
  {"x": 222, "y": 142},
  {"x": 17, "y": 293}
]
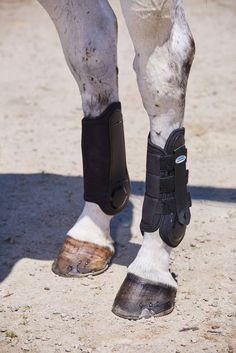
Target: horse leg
[
  {"x": 88, "y": 35},
  {"x": 164, "y": 50}
]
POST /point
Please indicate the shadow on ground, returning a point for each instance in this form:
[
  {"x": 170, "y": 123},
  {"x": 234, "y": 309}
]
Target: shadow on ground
[{"x": 36, "y": 211}]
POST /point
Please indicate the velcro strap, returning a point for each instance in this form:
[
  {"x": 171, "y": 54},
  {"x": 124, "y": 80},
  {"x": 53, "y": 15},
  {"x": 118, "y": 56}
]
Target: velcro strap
[
  {"x": 156, "y": 184},
  {"x": 181, "y": 185},
  {"x": 158, "y": 206},
  {"x": 156, "y": 163},
  {"x": 167, "y": 162}
]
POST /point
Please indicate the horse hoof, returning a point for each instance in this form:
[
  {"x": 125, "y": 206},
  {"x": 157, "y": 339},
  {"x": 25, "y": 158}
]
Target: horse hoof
[
  {"x": 80, "y": 258},
  {"x": 139, "y": 298}
]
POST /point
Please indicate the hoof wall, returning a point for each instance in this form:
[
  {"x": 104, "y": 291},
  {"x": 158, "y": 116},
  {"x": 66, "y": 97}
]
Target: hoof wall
[
  {"x": 80, "y": 258},
  {"x": 139, "y": 298}
]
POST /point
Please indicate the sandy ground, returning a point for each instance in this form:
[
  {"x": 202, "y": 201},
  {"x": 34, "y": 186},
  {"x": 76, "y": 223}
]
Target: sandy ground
[{"x": 41, "y": 195}]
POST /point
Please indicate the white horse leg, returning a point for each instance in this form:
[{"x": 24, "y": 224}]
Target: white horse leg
[
  {"x": 164, "y": 50},
  {"x": 88, "y": 34}
]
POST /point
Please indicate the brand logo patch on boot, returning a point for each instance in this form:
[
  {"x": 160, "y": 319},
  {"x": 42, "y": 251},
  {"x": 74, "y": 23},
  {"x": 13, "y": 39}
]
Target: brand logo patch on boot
[{"x": 180, "y": 159}]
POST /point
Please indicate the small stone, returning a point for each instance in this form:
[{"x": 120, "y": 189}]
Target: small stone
[
  {"x": 193, "y": 328},
  {"x": 215, "y": 331},
  {"x": 193, "y": 340}
]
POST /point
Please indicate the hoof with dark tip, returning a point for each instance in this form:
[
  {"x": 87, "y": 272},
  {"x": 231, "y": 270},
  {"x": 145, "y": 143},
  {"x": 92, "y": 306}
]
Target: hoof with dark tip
[
  {"x": 139, "y": 298},
  {"x": 80, "y": 258}
]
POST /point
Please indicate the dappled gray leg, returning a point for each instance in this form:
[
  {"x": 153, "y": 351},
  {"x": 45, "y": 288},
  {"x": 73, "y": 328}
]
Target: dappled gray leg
[
  {"x": 164, "y": 50},
  {"x": 88, "y": 34}
]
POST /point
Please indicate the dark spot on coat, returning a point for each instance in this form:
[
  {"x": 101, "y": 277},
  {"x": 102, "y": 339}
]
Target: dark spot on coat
[
  {"x": 186, "y": 66},
  {"x": 72, "y": 66},
  {"x": 89, "y": 51},
  {"x": 103, "y": 99},
  {"x": 158, "y": 133}
]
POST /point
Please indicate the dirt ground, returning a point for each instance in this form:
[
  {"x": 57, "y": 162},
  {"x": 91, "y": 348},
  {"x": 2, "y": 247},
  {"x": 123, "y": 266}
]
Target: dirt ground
[{"x": 41, "y": 195}]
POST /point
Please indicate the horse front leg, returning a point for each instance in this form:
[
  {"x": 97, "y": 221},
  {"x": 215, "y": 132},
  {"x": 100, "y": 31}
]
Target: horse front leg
[
  {"x": 88, "y": 34},
  {"x": 164, "y": 50}
]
